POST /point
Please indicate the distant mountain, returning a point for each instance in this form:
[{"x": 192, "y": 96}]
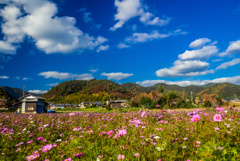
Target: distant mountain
[
  {"x": 224, "y": 90},
  {"x": 14, "y": 92},
  {"x": 97, "y": 90}
]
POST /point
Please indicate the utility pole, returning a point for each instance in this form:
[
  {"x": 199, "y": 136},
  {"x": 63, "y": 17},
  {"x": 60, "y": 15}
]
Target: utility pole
[
  {"x": 23, "y": 90},
  {"x": 191, "y": 97}
]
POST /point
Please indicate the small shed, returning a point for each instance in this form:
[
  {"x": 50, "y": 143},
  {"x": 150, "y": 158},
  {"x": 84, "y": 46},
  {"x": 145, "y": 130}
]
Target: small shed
[
  {"x": 33, "y": 104},
  {"x": 117, "y": 103}
]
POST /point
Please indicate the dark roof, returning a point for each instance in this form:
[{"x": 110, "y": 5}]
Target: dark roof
[{"x": 38, "y": 97}]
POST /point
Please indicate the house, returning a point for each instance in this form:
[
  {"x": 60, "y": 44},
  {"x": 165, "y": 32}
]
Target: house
[
  {"x": 3, "y": 103},
  {"x": 33, "y": 104},
  {"x": 96, "y": 103},
  {"x": 117, "y": 103},
  {"x": 84, "y": 104}
]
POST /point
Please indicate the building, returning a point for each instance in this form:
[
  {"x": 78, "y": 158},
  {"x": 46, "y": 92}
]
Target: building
[
  {"x": 96, "y": 103},
  {"x": 84, "y": 104},
  {"x": 3, "y": 103},
  {"x": 33, "y": 104},
  {"x": 117, "y": 103}
]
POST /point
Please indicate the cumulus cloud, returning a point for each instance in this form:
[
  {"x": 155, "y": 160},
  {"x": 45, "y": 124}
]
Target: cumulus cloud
[
  {"x": 62, "y": 76},
  {"x": 37, "y": 91},
  {"x": 185, "y": 69},
  {"x": 26, "y": 78},
  {"x": 144, "y": 37},
  {"x": 233, "y": 48},
  {"x": 228, "y": 64},
  {"x": 36, "y": 19},
  {"x": 199, "y": 54},
  {"x": 52, "y": 84},
  {"x": 233, "y": 80},
  {"x": 93, "y": 70},
  {"x": 198, "y": 43},
  {"x": 127, "y": 9},
  {"x": 7, "y": 48},
  {"x": 122, "y": 46},
  {"x": 4, "y": 77},
  {"x": 117, "y": 76},
  {"x": 102, "y": 48}
]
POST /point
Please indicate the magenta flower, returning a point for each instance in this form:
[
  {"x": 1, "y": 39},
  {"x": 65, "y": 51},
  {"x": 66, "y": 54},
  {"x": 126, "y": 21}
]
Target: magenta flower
[
  {"x": 46, "y": 148},
  {"x": 71, "y": 114},
  {"x": 121, "y": 132},
  {"x": 137, "y": 155},
  {"x": 143, "y": 114},
  {"x": 110, "y": 133},
  {"x": 195, "y": 118},
  {"x": 78, "y": 154},
  {"x": 29, "y": 142},
  {"x": 220, "y": 109},
  {"x": 68, "y": 159},
  {"x": 121, "y": 157},
  {"x": 217, "y": 117},
  {"x": 31, "y": 157}
]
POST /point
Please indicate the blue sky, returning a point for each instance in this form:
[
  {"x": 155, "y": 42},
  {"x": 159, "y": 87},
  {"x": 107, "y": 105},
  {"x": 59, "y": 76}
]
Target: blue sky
[{"x": 43, "y": 42}]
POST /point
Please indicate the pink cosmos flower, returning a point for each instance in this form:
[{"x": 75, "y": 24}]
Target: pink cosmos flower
[
  {"x": 143, "y": 114},
  {"x": 78, "y": 154},
  {"x": 121, "y": 157},
  {"x": 29, "y": 142},
  {"x": 121, "y": 132},
  {"x": 46, "y": 148},
  {"x": 36, "y": 154},
  {"x": 140, "y": 111},
  {"x": 68, "y": 159},
  {"x": 195, "y": 118},
  {"x": 46, "y": 160},
  {"x": 31, "y": 157},
  {"x": 137, "y": 155},
  {"x": 217, "y": 118},
  {"x": 159, "y": 160},
  {"x": 220, "y": 109},
  {"x": 110, "y": 133},
  {"x": 71, "y": 114}
]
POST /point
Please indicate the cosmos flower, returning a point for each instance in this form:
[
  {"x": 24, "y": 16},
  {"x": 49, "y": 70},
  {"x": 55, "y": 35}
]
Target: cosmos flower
[
  {"x": 195, "y": 118},
  {"x": 137, "y": 155},
  {"x": 46, "y": 148},
  {"x": 143, "y": 114},
  {"x": 220, "y": 109},
  {"x": 121, "y": 157},
  {"x": 217, "y": 118}
]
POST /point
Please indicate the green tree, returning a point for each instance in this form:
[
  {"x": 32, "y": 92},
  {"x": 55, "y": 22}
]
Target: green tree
[{"x": 161, "y": 89}]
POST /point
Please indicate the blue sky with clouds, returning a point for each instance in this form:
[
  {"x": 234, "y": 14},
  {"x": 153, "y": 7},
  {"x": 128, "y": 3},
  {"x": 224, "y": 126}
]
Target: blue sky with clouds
[{"x": 43, "y": 42}]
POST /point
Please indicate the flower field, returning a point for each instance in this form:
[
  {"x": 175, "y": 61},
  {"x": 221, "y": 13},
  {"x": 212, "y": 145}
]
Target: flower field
[{"x": 146, "y": 136}]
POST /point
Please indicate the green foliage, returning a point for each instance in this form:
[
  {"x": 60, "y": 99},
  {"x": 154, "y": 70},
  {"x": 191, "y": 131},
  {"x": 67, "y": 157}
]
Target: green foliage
[
  {"x": 207, "y": 103},
  {"x": 161, "y": 89}
]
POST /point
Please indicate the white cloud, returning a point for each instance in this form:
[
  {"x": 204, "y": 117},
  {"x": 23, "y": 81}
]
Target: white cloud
[
  {"x": 127, "y": 9},
  {"x": 199, "y": 54},
  {"x": 228, "y": 64},
  {"x": 93, "y": 70},
  {"x": 217, "y": 60},
  {"x": 233, "y": 48},
  {"x": 122, "y": 46},
  {"x": 233, "y": 80},
  {"x": 53, "y": 84},
  {"x": 198, "y": 43},
  {"x": 37, "y": 91},
  {"x": 144, "y": 37},
  {"x": 62, "y": 76},
  {"x": 7, "y": 48},
  {"x": 4, "y": 77},
  {"x": 185, "y": 69},
  {"x": 102, "y": 48},
  {"x": 26, "y": 78},
  {"x": 117, "y": 76},
  {"x": 37, "y": 19}
]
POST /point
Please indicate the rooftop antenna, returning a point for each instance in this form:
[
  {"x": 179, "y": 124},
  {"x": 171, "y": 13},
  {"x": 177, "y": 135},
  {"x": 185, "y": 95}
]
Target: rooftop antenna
[{"x": 23, "y": 90}]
